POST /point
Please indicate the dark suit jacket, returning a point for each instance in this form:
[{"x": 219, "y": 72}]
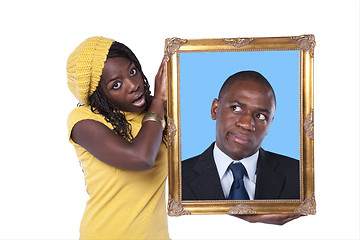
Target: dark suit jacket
[{"x": 277, "y": 177}]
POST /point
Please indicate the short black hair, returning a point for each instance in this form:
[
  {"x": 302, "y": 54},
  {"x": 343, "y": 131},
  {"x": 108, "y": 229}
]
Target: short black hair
[{"x": 246, "y": 76}]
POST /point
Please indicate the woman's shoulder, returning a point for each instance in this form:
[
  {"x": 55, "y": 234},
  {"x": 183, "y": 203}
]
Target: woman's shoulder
[
  {"x": 82, "y": 113},
  {"x": 81, "y": 108}
]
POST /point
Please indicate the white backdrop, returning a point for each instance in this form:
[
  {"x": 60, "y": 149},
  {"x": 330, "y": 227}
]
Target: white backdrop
[{"x": 42, "y": 193}]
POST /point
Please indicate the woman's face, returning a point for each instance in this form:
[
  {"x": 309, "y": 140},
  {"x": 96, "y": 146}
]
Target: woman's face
[{"x": 123, "y": 85}]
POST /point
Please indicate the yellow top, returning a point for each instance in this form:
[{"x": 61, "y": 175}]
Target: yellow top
[{"x": 123, "y": 204}]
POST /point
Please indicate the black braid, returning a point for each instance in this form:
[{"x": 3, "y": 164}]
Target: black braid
[{"x": 100, "y": 104}]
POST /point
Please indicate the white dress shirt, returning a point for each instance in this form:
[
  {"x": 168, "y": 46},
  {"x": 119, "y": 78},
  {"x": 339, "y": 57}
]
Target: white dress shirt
[{"x": 223, "y": 161}]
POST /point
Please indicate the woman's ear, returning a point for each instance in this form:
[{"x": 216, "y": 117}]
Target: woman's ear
[{"x": 214, "y": 109}]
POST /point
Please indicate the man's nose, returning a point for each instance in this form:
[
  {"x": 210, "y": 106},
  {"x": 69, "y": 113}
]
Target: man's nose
[
  {"x": 246, "y": 121},
  {"x": 132, "y": 86}
]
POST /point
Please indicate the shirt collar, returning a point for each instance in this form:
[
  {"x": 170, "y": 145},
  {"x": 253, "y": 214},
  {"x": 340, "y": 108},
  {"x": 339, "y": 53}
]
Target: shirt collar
[
  {"x": 132, "y": 115},
  {"x": 223, "y": 161}
]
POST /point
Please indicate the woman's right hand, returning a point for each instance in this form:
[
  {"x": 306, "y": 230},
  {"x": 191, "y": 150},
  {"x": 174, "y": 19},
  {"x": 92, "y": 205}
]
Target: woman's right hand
[{"x": 160, "y": 82}]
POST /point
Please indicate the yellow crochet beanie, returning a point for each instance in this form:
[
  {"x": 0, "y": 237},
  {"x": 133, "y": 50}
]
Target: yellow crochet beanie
[{"x": 85, "y": 65}]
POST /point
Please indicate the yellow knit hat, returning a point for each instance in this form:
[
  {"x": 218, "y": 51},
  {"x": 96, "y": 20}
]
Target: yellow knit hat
[{"x": 85, "y": 65}]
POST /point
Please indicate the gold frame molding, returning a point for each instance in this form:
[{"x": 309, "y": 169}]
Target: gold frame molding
[{"x": 306, "y": 205}]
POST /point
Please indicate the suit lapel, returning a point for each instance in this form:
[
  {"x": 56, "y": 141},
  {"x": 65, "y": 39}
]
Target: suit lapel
[
  {"x": 269, "y": 183},
  {"x": 207, "y": 185}
]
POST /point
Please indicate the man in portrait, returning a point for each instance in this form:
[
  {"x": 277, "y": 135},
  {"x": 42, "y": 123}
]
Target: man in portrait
[{"x": 235, "y": 167}]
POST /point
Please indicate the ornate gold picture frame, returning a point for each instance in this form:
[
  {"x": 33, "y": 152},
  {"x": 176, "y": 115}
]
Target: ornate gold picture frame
[{"x": 252, "y": 51}]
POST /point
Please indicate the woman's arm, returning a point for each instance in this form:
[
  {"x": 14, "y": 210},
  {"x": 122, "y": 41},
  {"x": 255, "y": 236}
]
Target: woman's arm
[{"x": 114, "y": 150}]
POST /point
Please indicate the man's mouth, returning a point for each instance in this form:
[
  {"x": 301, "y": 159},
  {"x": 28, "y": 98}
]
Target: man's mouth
[
  {"x": 240, "y": 138},
  {"x": 139, "y": 101}
]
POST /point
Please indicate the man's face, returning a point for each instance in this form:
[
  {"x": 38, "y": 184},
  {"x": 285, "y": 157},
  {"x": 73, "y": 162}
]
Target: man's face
[{"x": 243, "y": 117}]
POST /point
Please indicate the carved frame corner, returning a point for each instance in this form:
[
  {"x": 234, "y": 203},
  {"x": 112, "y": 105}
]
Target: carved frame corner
[
  {"x": 171, "y": 46},
  {"x": 306, "y": 43},
  {"x": 308, "y": 206},
  {"x": 175, "y": 208}
]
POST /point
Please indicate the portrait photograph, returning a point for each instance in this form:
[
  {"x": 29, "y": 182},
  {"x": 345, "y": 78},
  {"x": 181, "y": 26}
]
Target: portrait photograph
[
  {"x": 262, "y": 117},
  {"x": 201, "y": 77}
]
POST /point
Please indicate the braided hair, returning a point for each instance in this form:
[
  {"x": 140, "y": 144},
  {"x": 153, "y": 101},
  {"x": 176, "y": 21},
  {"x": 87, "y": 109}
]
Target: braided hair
[{"x": 100, "y": 104}]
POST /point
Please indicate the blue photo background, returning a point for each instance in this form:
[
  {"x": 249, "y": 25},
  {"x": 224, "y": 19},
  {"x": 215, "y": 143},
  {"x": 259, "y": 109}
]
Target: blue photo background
[{"x": 201, "y": 77}]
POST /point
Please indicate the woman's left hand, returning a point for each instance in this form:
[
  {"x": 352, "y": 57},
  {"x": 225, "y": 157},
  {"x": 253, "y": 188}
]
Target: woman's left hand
[{"x": 160, "y": 82}]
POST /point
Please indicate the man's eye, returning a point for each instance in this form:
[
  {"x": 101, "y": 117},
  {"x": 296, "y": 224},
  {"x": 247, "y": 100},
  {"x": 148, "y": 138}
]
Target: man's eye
[
  {"x": 116, "y": 85},
  {"x": 133, "y": 72},
  {"x": 236, "y": 108},
  {"x": 261, "y": 116}
]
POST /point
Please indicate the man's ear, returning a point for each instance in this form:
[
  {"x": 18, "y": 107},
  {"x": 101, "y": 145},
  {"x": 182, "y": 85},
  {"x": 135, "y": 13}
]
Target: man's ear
[{"x": 214, "y": 109}]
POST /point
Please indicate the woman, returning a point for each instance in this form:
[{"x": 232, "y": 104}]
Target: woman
[{"x": 117, "y": 133}]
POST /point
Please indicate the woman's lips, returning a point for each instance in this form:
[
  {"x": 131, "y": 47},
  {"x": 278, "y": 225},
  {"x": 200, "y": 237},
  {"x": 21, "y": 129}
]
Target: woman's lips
[
  {"x": 240, "y": 138},
  {"x": 140, "y": 101}
]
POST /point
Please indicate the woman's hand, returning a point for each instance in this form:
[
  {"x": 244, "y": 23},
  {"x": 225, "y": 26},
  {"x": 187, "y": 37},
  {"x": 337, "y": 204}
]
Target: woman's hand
[
  {"x": 277, "y": 219},
  {"x": 160, "y": 82}
]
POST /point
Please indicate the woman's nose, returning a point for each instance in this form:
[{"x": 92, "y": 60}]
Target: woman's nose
[{"x": 132, "y": 86}]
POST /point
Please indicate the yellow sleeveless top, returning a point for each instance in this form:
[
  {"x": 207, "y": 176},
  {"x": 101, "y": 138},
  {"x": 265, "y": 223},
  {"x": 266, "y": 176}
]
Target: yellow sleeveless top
[{"x": 123, "y": 204}]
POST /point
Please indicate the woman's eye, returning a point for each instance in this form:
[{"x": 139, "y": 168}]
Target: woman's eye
[
  {"x": 116, "y": 85},
  {"x": 133, "y": 72}
]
